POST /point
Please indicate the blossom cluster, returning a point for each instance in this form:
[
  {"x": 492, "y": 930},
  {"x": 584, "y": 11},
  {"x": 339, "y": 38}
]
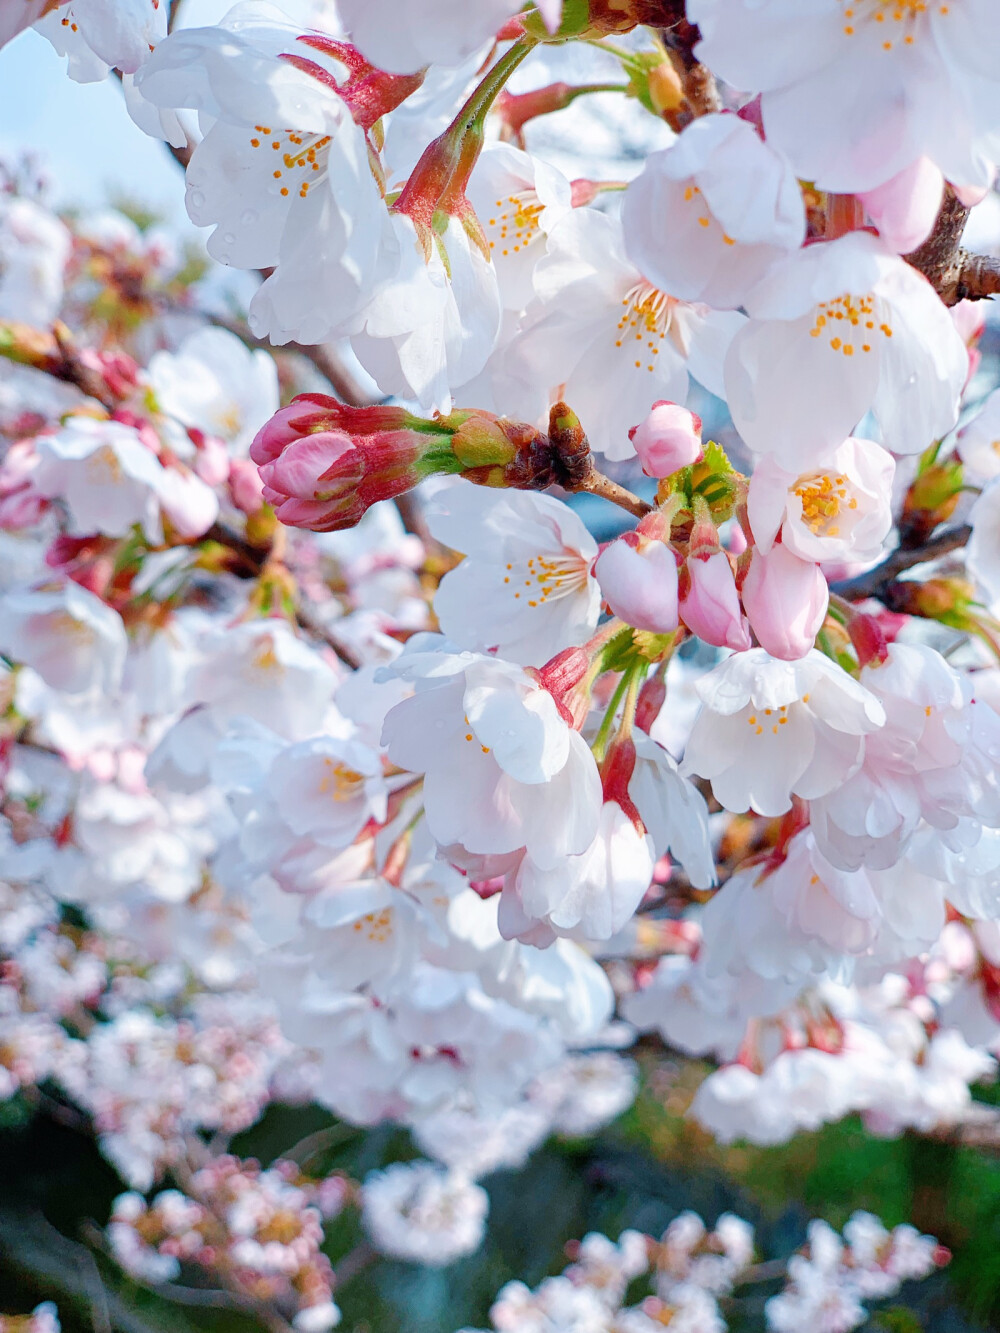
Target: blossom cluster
[
  {"x": 689, "y": 1269},
  {"x": 565, "y": 608}
]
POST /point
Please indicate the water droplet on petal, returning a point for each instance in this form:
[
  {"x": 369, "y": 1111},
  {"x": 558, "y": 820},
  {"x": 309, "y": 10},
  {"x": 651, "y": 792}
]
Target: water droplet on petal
[{"x": 197, "y": 199}]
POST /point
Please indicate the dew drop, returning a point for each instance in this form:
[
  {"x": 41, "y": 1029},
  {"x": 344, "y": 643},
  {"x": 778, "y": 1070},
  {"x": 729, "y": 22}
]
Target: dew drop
[
  {"x": 249, "y": 217},
  {"x": 197, "y": 199}
]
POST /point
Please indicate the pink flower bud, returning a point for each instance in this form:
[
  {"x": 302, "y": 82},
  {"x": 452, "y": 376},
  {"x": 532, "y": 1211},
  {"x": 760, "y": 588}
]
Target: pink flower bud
[
  {"x": 638, "y": 581},
  {"x": 190, "y": 505},
  {"x": 245, "y": 486},
  {"x": 211, "y": 462},
  {"x": 669, "y": 439},
  {"x": 21, "y": 505},
  {"x": 710, "y": 604},
  {"x": 786, "y": 600},
  {"x": 905, "y": 208},
  {"x": 323, "y": 464}
]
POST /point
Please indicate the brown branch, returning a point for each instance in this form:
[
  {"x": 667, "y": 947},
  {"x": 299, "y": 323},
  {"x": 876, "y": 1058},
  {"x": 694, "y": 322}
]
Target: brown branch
[
  {"x": 596, "y": 483},
  {"x": 955, "y": 273},
  {"x": 54, "y": 354},
  {"x": 680, "y": 36},
  {"x": 876, "y": 582}
]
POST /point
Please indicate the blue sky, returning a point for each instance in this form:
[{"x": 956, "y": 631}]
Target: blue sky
[{"x": 87, "y": 143}]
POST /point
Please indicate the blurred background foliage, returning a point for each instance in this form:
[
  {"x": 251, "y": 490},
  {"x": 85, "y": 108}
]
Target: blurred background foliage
[{"x": 56, "y": 1192}]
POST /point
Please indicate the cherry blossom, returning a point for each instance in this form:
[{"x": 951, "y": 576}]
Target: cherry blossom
[
  {"x": 888, "y": 67},
  {"x": 836, "y": 330},
  {"x": 729, "y": 204},
  {"x": 769, "y": 730},
  {"x": 839, "y": 511},
  {"x": 613, "y": 340},
  {"x": 262, "y": 82},
  {"x": 498, "y": 759},
  {"x": 524, "y": 553}
]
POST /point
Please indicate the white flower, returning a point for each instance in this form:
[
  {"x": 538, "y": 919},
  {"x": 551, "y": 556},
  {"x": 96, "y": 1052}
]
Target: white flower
[
  {"x": 611, "y": 340},
  {"x": 419, "y": 1212},
  {"x": 502, "y": 770},
  {"x": 979, "y": 440},
  {"x": 836, "y": 330},
  {"x": 262, "y": 669},
  {"x": 913, "y": 767},
  {"x": 283, "y": 172},
  {"x": 74, "y": 642},
  {"x": 108, "y": 478},
  {"x": 518, "y": 200},
  {"x": 584, "y": 1093},
  {"x": 769, "y": 730},
  {"x": 476, "y": 1144},
  {"x": 899, "y": 81},
  {"x": 434, "y": 321},
  {"x": 102, "y": 34},
  {"x": 982, "y": 553},
  {"x": 709, "y": 215},
  {"x": 525, "y": 586},
  {"x": 363, "y": 933},
  {"x": 591, "y": 895},
  {"x": 841, "y": 510},
  {"x": 426, "y": 32},
  {"x": 672, "y": 810},
  {"x": 34, "y": 248},
  {"x": 214, "y": 383}
]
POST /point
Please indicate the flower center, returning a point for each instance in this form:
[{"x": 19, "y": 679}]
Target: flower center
[
  {"x": 648, "y": 316},
  {"x": 822, "y": 497},
  {"x": 516, "y": 222},
  {"x": 377, "y": 925},
  {"x": 69, "y": 627},
  {"x": 850, "y": 322},
  {"x": 546, "y": 578},
  {"x": 773, "y": 718},
  {"x": 302, "y": 159},
  {"x": 339, "y": 781},
  {"x": 265, "y": 658},
  {"x": 692, "y": 194},
  {"x": 897, "y": 20},
  {"x": 103, "y": 467}
]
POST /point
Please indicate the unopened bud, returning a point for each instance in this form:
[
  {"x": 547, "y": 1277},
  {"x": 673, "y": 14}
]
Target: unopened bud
[
  {"x": 931, "y": 500},
  {"x": 935, "y": 599},
  {"x": 638, "y": 579},
  {"x": 710, "y": 604},
  {"x": 666, "y": 91},
  {"x": 668, "y": 440},
  {"x": 323, "y": 464}
]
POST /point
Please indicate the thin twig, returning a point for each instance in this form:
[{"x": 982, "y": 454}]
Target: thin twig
[
  {"x": 596, "y": 483},
  {"x": 875, "y": 582}
]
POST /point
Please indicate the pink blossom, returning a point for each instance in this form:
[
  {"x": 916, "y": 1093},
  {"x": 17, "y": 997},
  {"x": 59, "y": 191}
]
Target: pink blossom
[
  {"x": 710, "y": 604},
  {"x": 669, "y": 439},
  {"x": 786, "y": 600},
  {"x": 638, "y": 581}
]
